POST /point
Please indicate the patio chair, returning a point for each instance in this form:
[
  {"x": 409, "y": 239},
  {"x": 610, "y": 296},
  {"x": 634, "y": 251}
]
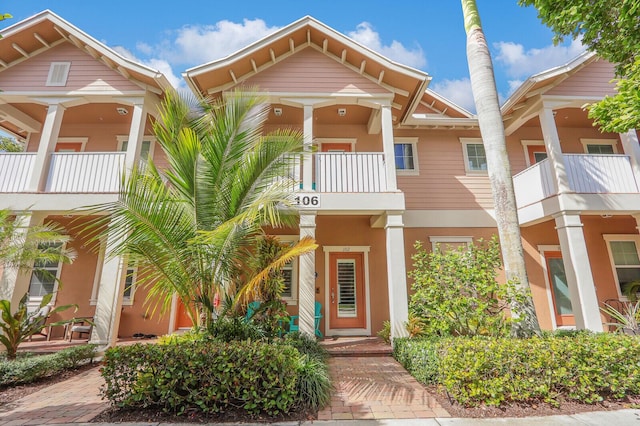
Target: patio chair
[
  {"x": 39, "y": 319},
  {"x": 81, "y": 326},
  {"x": 294, "y": 323},
  {"x": 251, "y": 309}
]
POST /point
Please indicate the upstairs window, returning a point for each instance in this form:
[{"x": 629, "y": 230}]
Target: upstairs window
[
  {"x": 146, "y": 150},
  {"x": 599, "y": 146},
  {"x": 405, "y": 154},
  {"x": 475, "y": 158}
]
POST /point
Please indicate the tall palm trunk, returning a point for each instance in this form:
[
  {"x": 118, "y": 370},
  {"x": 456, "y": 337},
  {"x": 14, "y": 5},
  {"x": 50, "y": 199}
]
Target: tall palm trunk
[{"x": 492, "y": 130}]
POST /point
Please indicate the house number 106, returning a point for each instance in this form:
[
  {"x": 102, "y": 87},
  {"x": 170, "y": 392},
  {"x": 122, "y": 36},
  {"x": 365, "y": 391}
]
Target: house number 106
[{"x": 307, "y": 200}]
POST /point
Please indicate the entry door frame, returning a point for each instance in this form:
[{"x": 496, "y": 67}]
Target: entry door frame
[
  {"x": 327, "y": 143},
  {"x": 327, "y": 286},
  {"x": 542, "y": 249}
]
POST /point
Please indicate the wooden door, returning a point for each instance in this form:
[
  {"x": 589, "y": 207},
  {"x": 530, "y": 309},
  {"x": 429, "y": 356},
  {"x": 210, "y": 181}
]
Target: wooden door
[
  {"x": 336, "y": 147},
  {"x": 537, "y": 153},
  {"x": 182, "y": 319},
  {"x": 559, "y": 289},
  {"x": 347, "y": 305}
]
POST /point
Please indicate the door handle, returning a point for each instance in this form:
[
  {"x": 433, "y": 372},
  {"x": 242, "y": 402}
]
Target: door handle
[{"x": 333, "y": 297}]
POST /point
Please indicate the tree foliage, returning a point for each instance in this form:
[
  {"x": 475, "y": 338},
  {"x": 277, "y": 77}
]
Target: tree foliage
[
  {"x": 192, "y": 227},
  {"x": 456, "y": 291},
  {"x": 611, "y": 29},
  {"x": 8, "y": 144}
]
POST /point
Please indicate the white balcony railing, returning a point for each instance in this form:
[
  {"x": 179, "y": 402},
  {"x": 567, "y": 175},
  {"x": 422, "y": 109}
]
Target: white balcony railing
[
  {"x": 94, "y": 172},
  {"x": 15, "y": 171},
  {"x": 350, "y": 172},
  {"x": 586, "y": 173}
]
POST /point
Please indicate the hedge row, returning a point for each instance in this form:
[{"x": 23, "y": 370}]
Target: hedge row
[
  {"x": 207, "y": 376},
  {"x": 29, "y": 368},
  {"x": 583, "y": 367}
]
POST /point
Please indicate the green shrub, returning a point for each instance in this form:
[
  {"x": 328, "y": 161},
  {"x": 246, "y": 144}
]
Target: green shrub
[
  {"x": 456, "y": 292},
  {"x": 385, "y": 332},
  {"x": 313, "y": 387},
  {"x": 30, "y": 367},
  {"x": 583, "y": 367},
  {"x": 207, "y": 376},
  {"x": 306, "y": 345},
  {"x": 228, "y": 329},
  {"x": 419, "y": 357}
]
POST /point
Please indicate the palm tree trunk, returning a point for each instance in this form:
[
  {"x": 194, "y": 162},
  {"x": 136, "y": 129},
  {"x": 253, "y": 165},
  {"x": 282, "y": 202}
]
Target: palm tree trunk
[{"x": 492, "y": 130}]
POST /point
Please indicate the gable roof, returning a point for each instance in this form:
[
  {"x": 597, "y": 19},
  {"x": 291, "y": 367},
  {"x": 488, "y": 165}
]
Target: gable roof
[
  {"x": 405, "y": 83},
  {"x": 45, "y": 30}
]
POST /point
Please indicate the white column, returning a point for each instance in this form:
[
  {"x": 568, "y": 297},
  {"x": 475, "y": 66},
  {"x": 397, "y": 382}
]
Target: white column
[
  {"x": 136, "y": 135},
  {"x": 307, "y": 280},
  {"x": 109, "y": 304},
  {"x": 48, "y": 139},
  {"x": 631, "y": 147},
  {"x": 14, "y": 284},
  {"x": 577, "y": 268},
  {"x": 387, "y": 147},
  {"x": 396, "y": 275},
  {"x": 554, "y": 151},
  {"x": 307, "y": 165}
]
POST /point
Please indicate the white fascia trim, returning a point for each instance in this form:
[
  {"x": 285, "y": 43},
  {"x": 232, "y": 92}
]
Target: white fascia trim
[{"x": 449, "y": 103}]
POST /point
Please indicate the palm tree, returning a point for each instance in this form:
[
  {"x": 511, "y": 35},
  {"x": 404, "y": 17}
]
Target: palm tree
[
  {"x": 191, "y": 227},
  {"x": 485, "y": 96}
]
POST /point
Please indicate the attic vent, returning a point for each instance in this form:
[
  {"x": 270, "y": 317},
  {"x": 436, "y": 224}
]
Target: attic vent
[{"x": 58, "y": 73}]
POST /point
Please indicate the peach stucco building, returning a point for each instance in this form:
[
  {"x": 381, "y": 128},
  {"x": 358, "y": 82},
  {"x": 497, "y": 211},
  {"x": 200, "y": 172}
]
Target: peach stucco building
[{"x": 395, "y": 162}]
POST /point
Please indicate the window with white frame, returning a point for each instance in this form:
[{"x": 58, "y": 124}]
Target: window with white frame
[
  {"x": 446, "y": 243},
  {"x": 406, "y": 155},
  {"x": 625, "y": 259},
  {"x": 129, "y": 284},
  {"x": 475, "y": 158},
  {"x": 290, "y": 273},
  {"x": 599, "y": 146},
  {"x": 146, "y": 150},
  {"x": 44, "y": 278}
]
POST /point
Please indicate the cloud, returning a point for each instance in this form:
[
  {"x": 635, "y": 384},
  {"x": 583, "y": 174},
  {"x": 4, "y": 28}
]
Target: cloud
[
  {"x": 519, "y": 63},
  {"x": 457, "y": 91},
  {"x": 367, "y": 36},
  {"x": 157, "y": 64}
]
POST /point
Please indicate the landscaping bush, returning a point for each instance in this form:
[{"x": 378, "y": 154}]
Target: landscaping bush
[
  {"x": 313, "y": 386},
  {"x": 456, "y": 292},
  {"x": 306, "y": 345},
  {"x": 583, "y": 367},
  {"x": 28, "y": 368},
  {"x": 207, "y": 376}
]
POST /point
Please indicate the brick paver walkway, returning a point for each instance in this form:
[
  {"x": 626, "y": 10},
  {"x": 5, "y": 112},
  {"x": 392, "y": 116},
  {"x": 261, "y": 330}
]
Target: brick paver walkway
[
  {"x": 377, "y": 388},
  {"x": 75, "y": 400}
]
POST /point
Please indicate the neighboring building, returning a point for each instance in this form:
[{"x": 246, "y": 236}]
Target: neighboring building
[{"x": 395, "y": 163}]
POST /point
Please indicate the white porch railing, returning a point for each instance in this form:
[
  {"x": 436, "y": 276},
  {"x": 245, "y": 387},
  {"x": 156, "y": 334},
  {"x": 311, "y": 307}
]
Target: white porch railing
[
  {"x": 15, "y": 171},
  {"x": 85, "y": 172},
  {"x": 586, "y": 173},
  {"x": 350, "y": 172}
]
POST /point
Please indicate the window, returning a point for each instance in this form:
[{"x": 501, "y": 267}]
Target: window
[
  {"x": 475, "y": 158},
  {"x": 129, "y": 285},
  {"x": 539, "y": 156},
  {"x": 58, "y": 73},
  {"x": 599, "y": 146},
  {"x": 146, "y": 150},
  {"x": 290, "y": 273},
  {"x": 449, "y": 243},
  {"x": 45, "y": 276},
  {"x": 405, "y": 153},
  {"x": 625, "y": 260}
]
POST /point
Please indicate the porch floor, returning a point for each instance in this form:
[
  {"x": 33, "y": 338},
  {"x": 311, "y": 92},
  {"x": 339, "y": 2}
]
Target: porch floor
[{"x": 356, "y": 346}]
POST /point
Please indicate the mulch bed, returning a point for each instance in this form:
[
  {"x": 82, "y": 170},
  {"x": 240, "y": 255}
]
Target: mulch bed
[
  {"x": 113, "y": 415},
  {"x": 565, "y": 407},
  {"x": 10, "y": 394}
]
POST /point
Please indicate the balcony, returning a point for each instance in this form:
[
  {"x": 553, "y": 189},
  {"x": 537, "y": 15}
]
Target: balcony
[
  {"x": 591, "y": 177},
  {"x": 69, "y": 172},
  {"x": 350, "y": 172}
]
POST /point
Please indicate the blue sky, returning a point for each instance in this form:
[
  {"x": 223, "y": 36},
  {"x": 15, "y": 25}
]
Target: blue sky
[{"x": 426, "y": 34}]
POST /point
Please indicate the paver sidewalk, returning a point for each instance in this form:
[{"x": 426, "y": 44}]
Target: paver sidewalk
[
  {"x": 377, "y": 388},
  {"x": 75, "y": 400}
]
